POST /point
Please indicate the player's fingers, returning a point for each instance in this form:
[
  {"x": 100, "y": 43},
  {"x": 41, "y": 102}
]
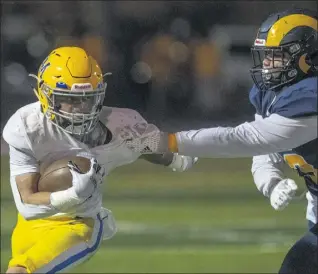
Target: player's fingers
[
  {"x": 100, "y": 180},
  {"x": 276, "y": 205},
  {"x": 285, "y": 192},
  {"x": 73, "y": 167},
  {"x": 280, "y": 200},
  {"x": 284, "y": 197},
  {"x": 287, "y": 188},
  {"x": 74, "y": 174},
  {"x": 291, "y": 184},
  {"x": 102, "y": 171},
  {"x": 280, "y": 204},
  {"x": 94, "y": 166},
  {"x": 283, "y": 183},
  {"x": 98, "y": 173},
  {"x": 70, "y": 164},
  {"x": 290, "y": 192},
  {"x": 93, "y": 162}
]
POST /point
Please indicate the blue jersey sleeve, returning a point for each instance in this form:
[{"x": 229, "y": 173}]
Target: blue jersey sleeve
[
  {"x": 299, "y": 100},
  {"x": 255, "y": 99}
]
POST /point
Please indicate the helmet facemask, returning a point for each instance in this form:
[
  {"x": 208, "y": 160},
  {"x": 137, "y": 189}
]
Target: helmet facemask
[
  {"x": 75, "y": 112},
  {"x": 274, "y": 67}
]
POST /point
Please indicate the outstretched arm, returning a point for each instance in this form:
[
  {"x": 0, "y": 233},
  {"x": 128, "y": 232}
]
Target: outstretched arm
[{"x": 262, "y": 136}]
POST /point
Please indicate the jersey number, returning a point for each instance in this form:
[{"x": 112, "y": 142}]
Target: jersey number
[{"x": 304, "y": 169}]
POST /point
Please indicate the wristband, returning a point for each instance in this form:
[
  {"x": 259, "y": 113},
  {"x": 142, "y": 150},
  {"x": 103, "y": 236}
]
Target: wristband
[{"x": 172, "y": 142}]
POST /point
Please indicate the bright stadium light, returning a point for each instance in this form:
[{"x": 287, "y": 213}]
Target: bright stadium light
[
  {"x": 15, "y": 74},
  {"x": 37, "y": 45},
  {"x": 141, "y": 73}
]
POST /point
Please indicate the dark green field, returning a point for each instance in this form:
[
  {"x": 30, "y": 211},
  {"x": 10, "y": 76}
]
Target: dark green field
[{"x": 209, "y": 219}]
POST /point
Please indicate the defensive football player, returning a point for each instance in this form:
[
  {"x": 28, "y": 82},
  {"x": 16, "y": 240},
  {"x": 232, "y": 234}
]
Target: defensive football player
[
  {"x": 285, "y": 55},
  {"x": 57, "y": 230}
]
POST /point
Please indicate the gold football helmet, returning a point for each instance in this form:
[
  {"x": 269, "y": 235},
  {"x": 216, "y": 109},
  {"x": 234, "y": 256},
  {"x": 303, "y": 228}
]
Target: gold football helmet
[
  {"x": 71, "y": 90},
  {"x": 287, "y": 41}
]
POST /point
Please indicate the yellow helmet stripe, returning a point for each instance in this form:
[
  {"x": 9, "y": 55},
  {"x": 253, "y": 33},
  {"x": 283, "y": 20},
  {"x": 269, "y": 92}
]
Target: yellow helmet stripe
[{"x": 286, "y": 24}]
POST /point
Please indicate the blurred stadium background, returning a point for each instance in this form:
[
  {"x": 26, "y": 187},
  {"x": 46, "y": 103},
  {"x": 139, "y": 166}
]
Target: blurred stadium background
[{"x": 182, "y": 65}]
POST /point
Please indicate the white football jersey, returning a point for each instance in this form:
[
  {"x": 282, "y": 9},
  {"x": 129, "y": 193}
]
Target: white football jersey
[{"x": 42, "y": 143}]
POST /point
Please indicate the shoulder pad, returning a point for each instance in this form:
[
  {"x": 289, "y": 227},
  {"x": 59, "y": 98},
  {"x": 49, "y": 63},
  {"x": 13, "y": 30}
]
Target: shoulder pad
[
  {"x": 14, "y": 132},
  {"x": 298, "y": 100},
  {"x": 255, "y": 99},
  {"x": 121, "y": 116}
]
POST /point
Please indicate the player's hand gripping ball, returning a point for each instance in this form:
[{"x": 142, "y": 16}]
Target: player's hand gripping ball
[{"x": 57, "y": 176}]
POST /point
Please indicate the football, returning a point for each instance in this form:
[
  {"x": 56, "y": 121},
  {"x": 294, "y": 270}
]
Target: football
[{"x": 57, "y": 176}]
